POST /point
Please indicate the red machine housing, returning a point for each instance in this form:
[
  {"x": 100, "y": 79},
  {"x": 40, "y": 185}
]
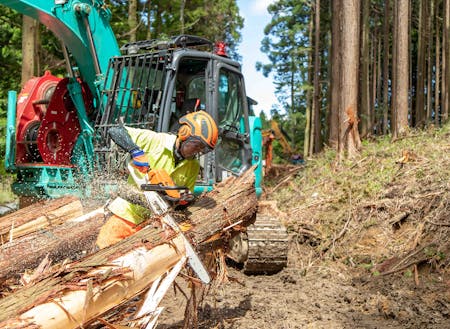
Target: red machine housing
[
  {"x": 31, "y": 107},
  {"x": 59, "y": 128},
  {"x": 47, "y": 121}
]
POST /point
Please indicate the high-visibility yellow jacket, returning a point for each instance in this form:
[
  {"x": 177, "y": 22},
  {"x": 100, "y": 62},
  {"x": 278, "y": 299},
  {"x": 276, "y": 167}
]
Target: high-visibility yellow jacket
[{"x": 159, "y": 148}]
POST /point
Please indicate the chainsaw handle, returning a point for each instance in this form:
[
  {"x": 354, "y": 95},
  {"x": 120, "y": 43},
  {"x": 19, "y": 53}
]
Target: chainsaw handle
[
  {"x": 144, "y": 185},
  {"x": 139, "y": 181}
]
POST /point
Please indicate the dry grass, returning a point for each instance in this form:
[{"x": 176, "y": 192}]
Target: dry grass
[{"x": 385, "y": 211}]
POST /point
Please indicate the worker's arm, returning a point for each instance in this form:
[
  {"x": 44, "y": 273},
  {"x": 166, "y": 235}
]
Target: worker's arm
[{"x": 121, "y": 137}]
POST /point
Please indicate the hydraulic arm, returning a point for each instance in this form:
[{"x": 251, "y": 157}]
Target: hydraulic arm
[
  {"x": 82, "y": 26},
  {"x": 50, "y": 127}
]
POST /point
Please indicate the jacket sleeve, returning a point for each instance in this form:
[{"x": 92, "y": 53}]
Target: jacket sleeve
[{"x": 121, "y": 137}]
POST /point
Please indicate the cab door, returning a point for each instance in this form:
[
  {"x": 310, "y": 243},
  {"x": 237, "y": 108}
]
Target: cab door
[{"x": 233, "y": 152}]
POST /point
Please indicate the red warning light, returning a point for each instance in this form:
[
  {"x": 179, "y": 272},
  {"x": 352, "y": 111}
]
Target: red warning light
[{"x": 221, "y": 49}]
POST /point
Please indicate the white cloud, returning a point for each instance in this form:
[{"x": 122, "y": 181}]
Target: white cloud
[{"x": 259, "y": 7}]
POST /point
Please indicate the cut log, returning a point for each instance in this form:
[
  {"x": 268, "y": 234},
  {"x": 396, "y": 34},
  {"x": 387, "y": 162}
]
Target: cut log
[
  {"x": 67, "y": 240},
  {"x": 37, "y": 216},
  {"x": 82, "y": 291},
  {"x": 231, "y": 204}
]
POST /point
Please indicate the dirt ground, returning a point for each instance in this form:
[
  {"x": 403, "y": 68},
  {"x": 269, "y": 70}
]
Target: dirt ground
[
  {"x": 369, "y": 247},
  {"x": 328, "y": 296}
]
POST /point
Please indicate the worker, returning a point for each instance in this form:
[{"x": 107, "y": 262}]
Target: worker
[{"x": 176, "y": 154}]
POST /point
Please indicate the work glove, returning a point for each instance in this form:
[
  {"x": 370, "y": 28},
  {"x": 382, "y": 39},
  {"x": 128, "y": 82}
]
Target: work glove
[{"x": 139, "y": 160}]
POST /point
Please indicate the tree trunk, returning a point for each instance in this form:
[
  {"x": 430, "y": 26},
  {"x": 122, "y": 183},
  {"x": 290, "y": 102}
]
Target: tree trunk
[
  {"x": 149, "y": 21},
  {"x": 70, "y": 296},
  {"x": 182, "y": 7},
  {"x": 401, "y": 69},
  {"x": 333, "y": 137},
  {"x": 132, "y": 19},
  {"x": 29, "y": 34},
  {"x": 437, "y": 102},
  {"x": 307, "y": 143},
  {"x": 349, "y": 139},
  {"x": 386, "y": 74},
  {"x": 420, "y": 79},
  {"x": 429, "y": 41},
  {"x": 316, "y": 99},
  {"x": 38, "y": 216},
  {"x": 68, "y": 240},
  {"x": 394, "y": 71},
  {"x": 446, "y": 63},
  {"x": 365, "y": 75},
  {"x": 377, "y": 117}
]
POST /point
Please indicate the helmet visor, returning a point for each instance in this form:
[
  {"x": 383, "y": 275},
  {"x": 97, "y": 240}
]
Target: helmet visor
[{"x": 192, "y": 147}]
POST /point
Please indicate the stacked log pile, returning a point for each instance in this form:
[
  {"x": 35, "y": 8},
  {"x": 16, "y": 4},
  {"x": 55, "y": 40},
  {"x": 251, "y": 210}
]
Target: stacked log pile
[{"x": 71, "y": 295}]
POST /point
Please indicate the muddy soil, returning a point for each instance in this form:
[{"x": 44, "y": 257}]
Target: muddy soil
[{"x": 328, "y": 295}]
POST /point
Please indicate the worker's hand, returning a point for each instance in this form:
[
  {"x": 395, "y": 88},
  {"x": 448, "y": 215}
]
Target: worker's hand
[{"x": 139, "y": 160}]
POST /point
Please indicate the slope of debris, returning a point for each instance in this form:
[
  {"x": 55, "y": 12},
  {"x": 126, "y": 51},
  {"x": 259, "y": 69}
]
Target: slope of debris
[{"x": 369, "y": 244}]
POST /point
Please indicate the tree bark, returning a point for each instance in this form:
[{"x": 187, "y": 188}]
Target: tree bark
[
  {"x": 429, "y": 40},
  {"x": 29, "y": 35},
  {"x": 37, "y": 216},
  {"x": 365, "y": 75},
  {"x": 349, "y": 139},
  {"x": 386, "y": 74},
  {"x": 333, "y": 138},
  {"x": 401, "y": 66},
  {"x": 437, "y": 84},
  {"x": 420, "y": 79},
  {"x": 70, "y": 296},
  {"x": 132, "y": 19},
  {"x": 316, "y": 132},
  {"x": 446, "y": 63},
  {"x": 68, "y": 240},
  {"x": 308, "y": 142}
]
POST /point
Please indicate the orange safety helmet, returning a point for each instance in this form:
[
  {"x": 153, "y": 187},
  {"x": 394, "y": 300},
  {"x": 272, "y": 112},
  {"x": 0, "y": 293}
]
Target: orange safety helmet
[{"x": 199, "y": 126}]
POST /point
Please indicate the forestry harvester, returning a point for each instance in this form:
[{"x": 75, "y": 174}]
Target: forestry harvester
[{"x": 56, "y": 127}]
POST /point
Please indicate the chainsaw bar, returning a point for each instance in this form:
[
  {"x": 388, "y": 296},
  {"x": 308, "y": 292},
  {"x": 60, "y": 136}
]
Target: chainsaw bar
[{"x": 160, "y": 207}]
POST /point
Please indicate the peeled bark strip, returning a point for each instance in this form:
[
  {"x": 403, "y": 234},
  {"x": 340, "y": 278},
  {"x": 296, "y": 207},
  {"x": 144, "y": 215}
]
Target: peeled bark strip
[
  {"x": 61, "y": 242},
  {"x": 84, "y": 290},
  {"x": 38, "y": 216}
]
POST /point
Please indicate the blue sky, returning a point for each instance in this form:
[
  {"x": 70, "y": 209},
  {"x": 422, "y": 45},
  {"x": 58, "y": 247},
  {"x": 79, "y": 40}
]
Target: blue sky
[{"x": 257, "y": 86}]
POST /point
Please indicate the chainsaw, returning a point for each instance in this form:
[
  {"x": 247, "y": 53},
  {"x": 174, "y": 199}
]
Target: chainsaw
[{"x": 159, "y": 189}]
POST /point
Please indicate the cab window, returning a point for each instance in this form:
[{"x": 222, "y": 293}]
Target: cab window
[
  {"x": 230, "y": 100},
  {"x": 231, "y": 155}
]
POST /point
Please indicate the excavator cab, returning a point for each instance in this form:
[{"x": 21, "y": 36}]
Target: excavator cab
[{"x": 154, "y": 84}]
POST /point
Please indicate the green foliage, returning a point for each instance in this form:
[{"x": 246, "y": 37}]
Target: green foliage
[
  {"x": 10, "y": 54},
  {"x": 433, "y": 253},
  {"x": 264, "y": 120},
  {"x": 287, "y": 47},
  {"x": 213, "y": 20}
]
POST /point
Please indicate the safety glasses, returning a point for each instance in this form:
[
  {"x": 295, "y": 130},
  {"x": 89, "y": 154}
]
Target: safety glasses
[{"x": 193, "y": 147}]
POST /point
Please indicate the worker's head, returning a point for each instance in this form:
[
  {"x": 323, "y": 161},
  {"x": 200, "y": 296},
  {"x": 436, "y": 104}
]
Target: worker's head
[{"x": 197, "y": 134}]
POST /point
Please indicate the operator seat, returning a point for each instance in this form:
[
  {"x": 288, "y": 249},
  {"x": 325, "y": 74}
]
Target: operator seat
[{"x": 189, "y": 105}]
